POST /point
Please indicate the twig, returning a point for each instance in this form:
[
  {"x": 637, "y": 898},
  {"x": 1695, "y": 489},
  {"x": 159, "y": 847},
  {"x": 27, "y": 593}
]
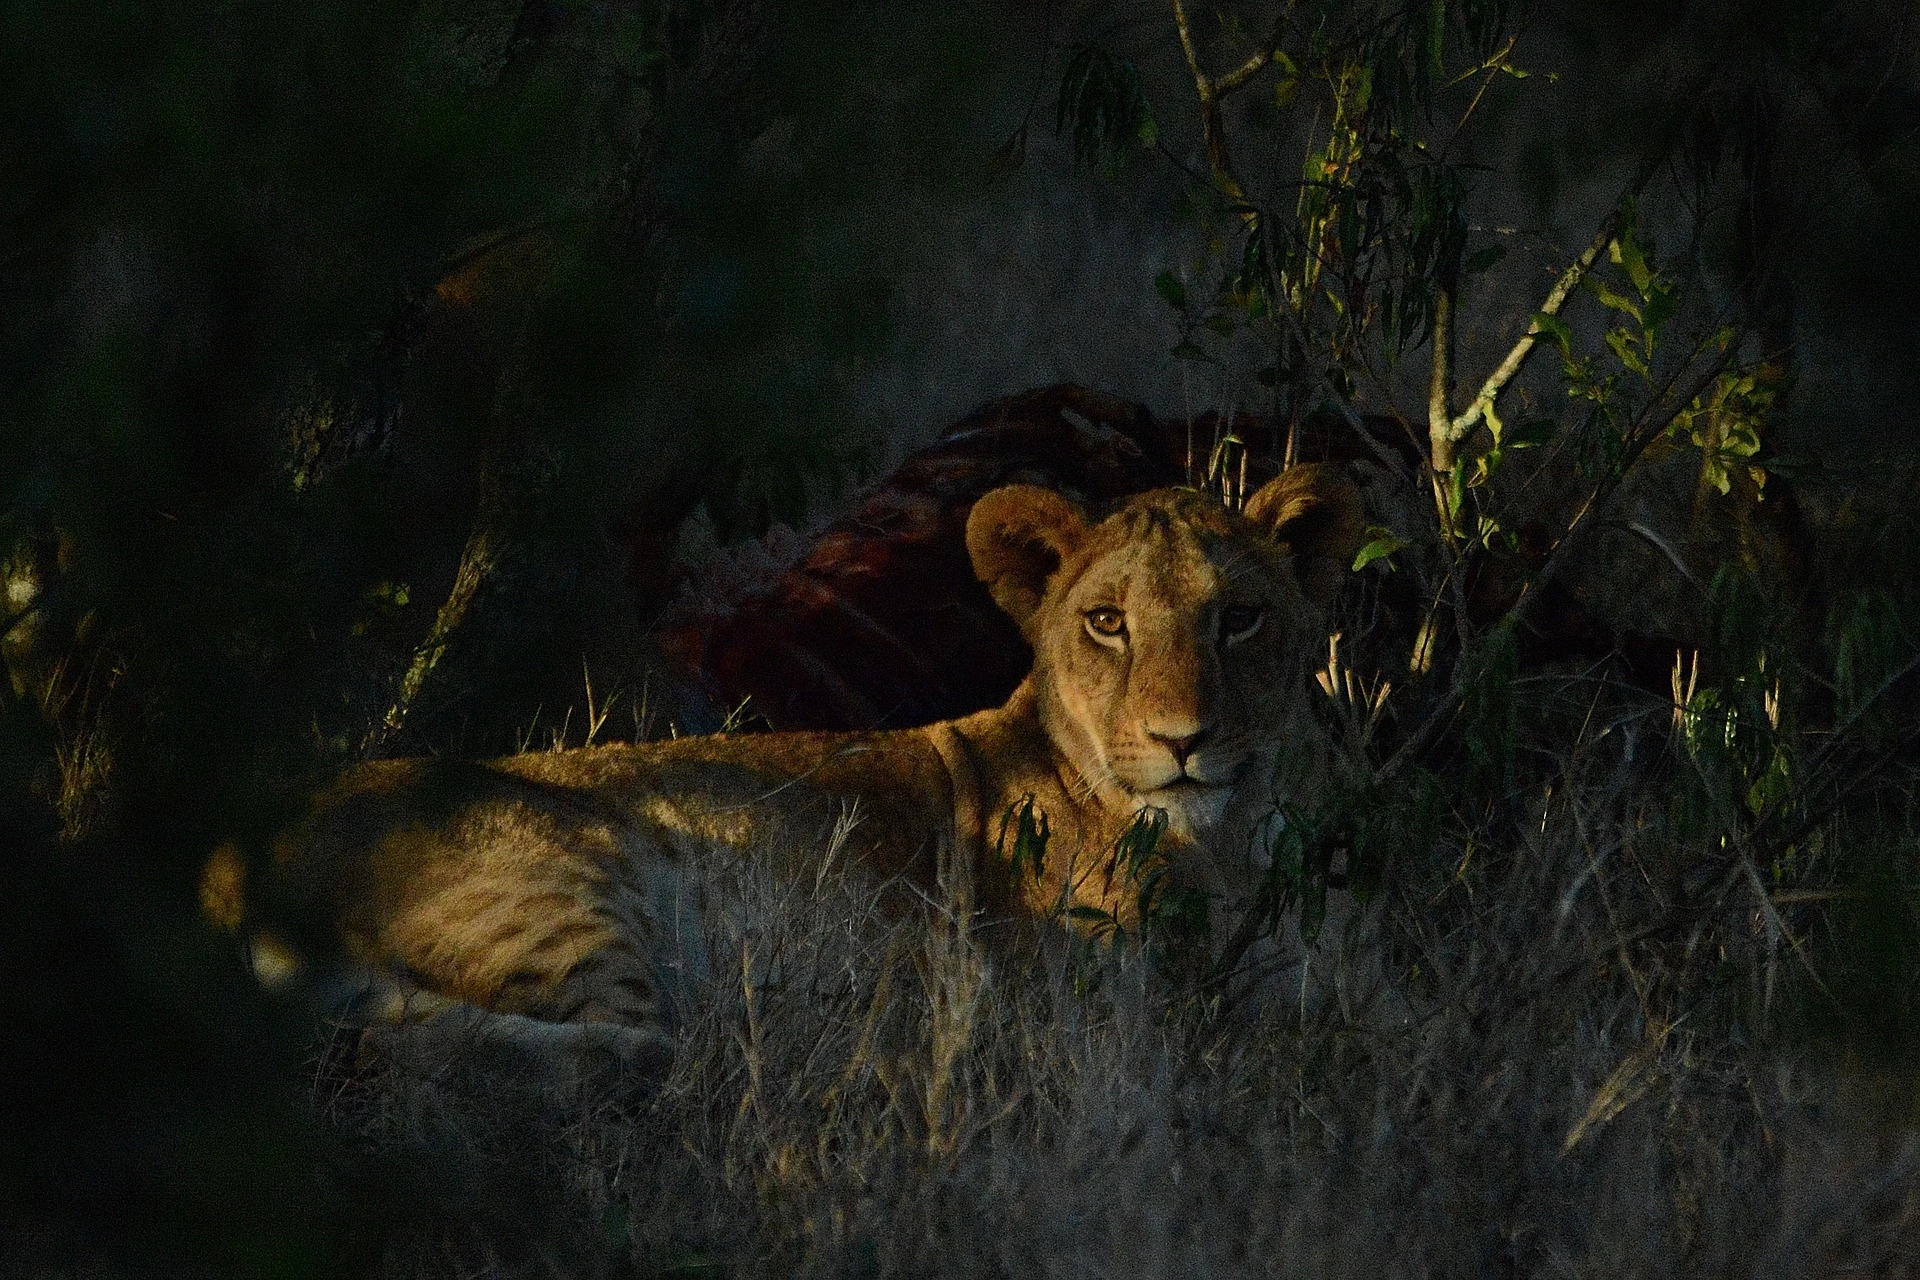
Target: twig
[
  {"x": 1493, "y": 67},
  {"x": 1444, "y": 431},
  {"x": 479, "y": 558},
  {"x": 1242, "y": 73},
  {"x": 1213, "y": 126},
  {"x": 1779, "y": 926},
  {"x": 1393, "y": 462},
  {"x": 1440, "y": 433},
  {"x": 477, "y": 561},
  {"x": 1638, "y": 437},
  {"x": 1556, "y": 298},
  {"x": 1836, "y": 736}
]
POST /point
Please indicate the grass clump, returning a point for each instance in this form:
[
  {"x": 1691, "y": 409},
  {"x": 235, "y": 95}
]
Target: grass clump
[{"x": 1598, "y": 1015}]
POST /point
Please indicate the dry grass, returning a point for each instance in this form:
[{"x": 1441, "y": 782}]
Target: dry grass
[
  {"x": 1582, "y": 1047},
  {"x": 74, "y": 701}
]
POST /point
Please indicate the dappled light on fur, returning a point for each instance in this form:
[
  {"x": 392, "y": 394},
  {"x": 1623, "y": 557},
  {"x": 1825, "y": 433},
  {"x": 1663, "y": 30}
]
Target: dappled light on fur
[{"x": 561, "y": 886}]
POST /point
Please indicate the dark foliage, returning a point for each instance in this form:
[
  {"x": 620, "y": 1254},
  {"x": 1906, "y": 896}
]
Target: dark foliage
[{"x": 362, "y": 367}]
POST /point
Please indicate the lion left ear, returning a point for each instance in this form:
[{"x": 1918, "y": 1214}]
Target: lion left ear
[
  {"x": 1017, "y": 537},
  {"x": 1315, "y": 511}
]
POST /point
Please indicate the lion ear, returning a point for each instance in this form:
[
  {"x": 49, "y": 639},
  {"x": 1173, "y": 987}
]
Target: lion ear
[
  {"x": 1017, "y": 536},
  {"x": 1316, "y": 513}
]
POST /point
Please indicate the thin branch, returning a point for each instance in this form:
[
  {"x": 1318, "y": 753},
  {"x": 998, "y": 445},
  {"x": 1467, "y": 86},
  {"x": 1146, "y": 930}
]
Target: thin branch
[
  {"x": 1212, "y": 87},
  {"x": 1213, "y": 126},
  {"x": 1428, "y": 732},
  {"x": 1847, "y": 786},
  {"x": 1457, "y": 429},
  {"x": 1637, "y": 437},
  {"x": 1440, "y": 431},
  {"x": 1241, "y": 74},
  {"x": 1493, "y": 67},
  {"x": 1040, "y": 76},
  {"x": 1496, "y": 63},
  {"x": 477, "y": 562},
  {"x": 1555, "y": 299},
  {"x": 1837, "y": 739},
  {"x": 1393, "y": 462},
  {"x": 1186, "y": 47}
]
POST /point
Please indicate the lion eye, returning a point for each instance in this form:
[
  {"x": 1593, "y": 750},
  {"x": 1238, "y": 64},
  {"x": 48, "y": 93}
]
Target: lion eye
[
  {"x": 1239, "y": 621},
  {"x": 1106, "y": 621}
]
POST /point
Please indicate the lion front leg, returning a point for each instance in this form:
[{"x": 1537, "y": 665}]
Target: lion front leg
[{"x": 553, "y": 1056}]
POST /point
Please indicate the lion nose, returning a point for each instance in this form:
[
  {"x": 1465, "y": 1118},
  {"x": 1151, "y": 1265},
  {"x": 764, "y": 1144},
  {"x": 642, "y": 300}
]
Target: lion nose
[{"x": 1181, "y": 746}]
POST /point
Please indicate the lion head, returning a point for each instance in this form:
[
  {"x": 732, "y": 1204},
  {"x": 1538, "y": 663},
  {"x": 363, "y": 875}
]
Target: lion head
[{"x": 1172, "y": 639}]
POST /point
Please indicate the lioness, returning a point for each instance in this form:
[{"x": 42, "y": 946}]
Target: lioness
[{"x": 1172, "y": 641}]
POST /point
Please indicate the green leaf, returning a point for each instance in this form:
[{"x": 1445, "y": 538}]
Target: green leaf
[
  {"x": 1485, "y": 258},
  {"x": 1168, "y": 286},
  {"x": 1027, "y": 823},
  {"x": 1147, "y": 129},
  {"x": 1532, "y": 434},
  {"x": 1622, "y": 343},
  {"x": 1135, "y": 849},
  {"x": 1659, "y": 308},
  {"x": 1362, "y": 91},
  {"x": 1625, "y": 251},
  {"x": 1103, "y": 107},
  {"x": 1385, "y": 543},
  {"x": 1100, "y": 923},
  {"x": 1609, "y": 297},
  {"x": 1285, "y": 91},
  {"x": 1457, "y": 490},
  {"x": 1771, "y": 785},
  {"x": 1555, "y": 330}
]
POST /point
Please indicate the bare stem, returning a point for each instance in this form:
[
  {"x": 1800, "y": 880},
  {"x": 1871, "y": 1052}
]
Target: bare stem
[
  {"x": 1213, "y": 125},
  {"x": 1555, "y": 299},
  {"x": 477, "y": 562},
  {"x": 1244, "y": 72},
  {"x": 1187, "y": 47},
  {"x": 1440, "y": 436}
]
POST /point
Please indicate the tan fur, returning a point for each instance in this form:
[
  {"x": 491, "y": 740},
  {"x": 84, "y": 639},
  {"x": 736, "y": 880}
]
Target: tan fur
[{"x": 555, "y": 885}]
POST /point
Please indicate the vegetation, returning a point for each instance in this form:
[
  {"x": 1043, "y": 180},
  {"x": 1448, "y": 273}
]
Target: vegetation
[{"x": 363, "y": 365}]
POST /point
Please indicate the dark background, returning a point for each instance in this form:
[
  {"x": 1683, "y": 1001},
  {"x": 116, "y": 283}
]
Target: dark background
[{"x": 304, "y": 306}]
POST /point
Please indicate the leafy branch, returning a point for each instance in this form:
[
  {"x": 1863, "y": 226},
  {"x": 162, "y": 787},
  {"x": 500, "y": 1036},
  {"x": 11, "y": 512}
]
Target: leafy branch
[{"x": 1210, "y": 90}]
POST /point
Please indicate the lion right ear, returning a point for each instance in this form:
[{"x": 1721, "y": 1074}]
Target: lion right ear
[
  {"x": 1316, "y": 512},
  {"x": 1017, "y": 537}
]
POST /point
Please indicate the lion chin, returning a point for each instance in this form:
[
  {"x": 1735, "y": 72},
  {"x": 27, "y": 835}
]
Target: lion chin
[
  {"x": 1194, "y": 810},
  {"x": 1171, "y": 638}
]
